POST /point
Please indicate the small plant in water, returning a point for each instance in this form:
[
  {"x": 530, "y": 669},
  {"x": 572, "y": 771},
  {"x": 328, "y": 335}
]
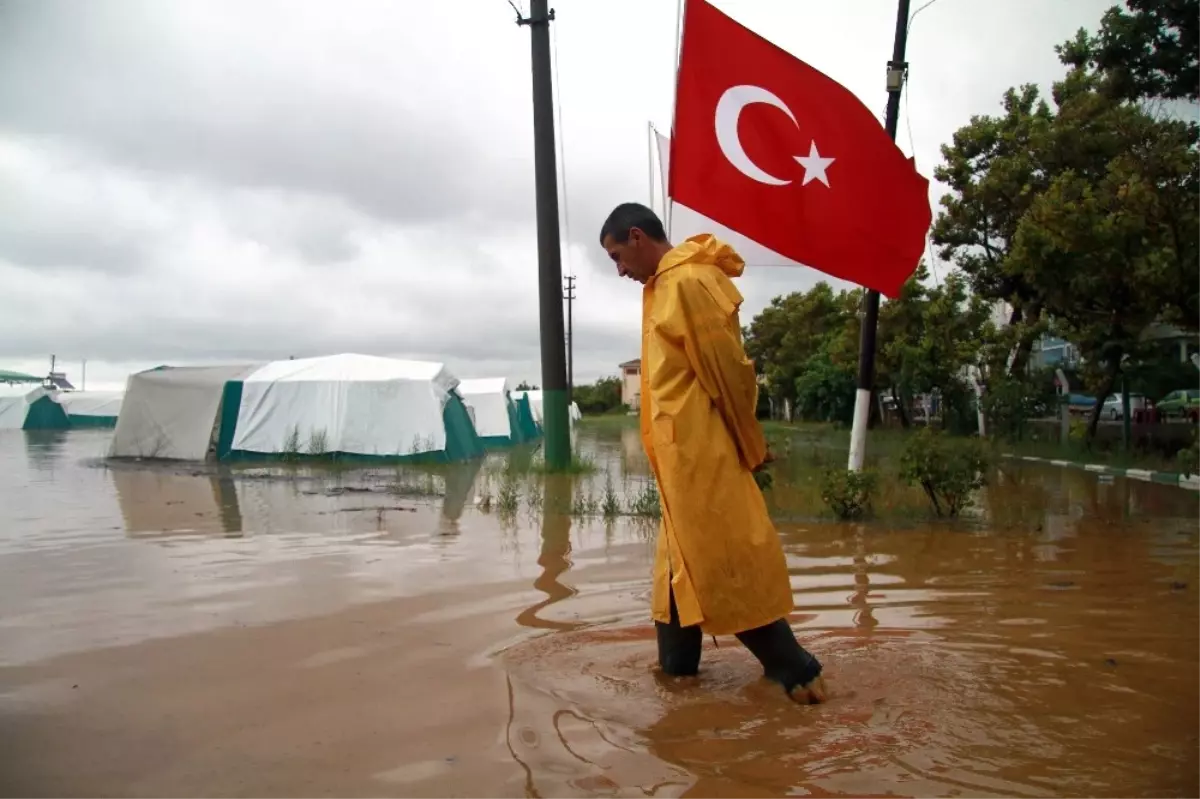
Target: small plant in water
[
  {"x": 584, "y": 506},
  {"x": 318, "y": 442},
  {"x": 948, "y": 469},
  {"x": 847, "y": 493},
  {"x": 291, "y": 445},
  {"x": 645, "y": 502},
  {"x": 508, "y": 498},
  {"x": 533, "y": 498},
  {"x": 610, "y": 506}
]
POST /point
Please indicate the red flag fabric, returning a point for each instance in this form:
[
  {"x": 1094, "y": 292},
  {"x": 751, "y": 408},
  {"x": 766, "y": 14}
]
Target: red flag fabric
[{"x": 785, "y": 155}]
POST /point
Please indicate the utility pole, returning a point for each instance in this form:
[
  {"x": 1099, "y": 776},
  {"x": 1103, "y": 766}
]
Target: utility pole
[
  {"x": 555, "y": 420},
  {"x": 569, "y": 296},
  {"x": 896, "y": 70}
]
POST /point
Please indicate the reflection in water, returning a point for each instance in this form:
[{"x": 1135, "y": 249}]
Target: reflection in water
[
  {"x": 157, "y": 503},
  {"x": 459, "y": 479},
  {"x": 555, "y": 555},
  {"x": 43, "y": 448}
]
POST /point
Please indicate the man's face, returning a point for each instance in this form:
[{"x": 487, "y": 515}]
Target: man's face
[{"x": 634, "y": 258}]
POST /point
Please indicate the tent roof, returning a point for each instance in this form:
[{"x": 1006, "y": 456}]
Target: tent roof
[
  {"x": 349, "y": 367},
  {"x": 7, "y": 376},
  {"x": 196, "y": 375},
  {"x": 483, "y": 385},
  {"x": 18, "y": 390}
]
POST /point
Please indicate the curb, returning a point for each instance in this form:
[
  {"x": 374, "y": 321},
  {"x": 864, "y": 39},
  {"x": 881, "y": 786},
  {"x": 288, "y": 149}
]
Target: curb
[{"x": 1189, "y": 483}]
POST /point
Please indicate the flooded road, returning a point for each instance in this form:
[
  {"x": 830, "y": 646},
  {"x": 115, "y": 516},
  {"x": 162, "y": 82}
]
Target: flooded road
[{"x": 482, "y": 630}]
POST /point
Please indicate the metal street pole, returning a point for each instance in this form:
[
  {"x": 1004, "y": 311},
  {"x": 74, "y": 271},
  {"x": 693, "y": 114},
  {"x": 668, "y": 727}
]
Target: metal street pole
[
  {"x": 555, "y": 421},
  {"x": 866, "y": 350},
  {"x": 569, "y": 296}
]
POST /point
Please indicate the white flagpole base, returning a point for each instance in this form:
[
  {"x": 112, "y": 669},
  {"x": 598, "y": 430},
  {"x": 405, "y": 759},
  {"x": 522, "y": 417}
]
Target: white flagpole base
[{"x": 858, "y": 432}]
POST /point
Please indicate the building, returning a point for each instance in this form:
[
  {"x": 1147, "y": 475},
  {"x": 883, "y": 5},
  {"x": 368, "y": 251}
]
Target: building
[{"x": 631, "y": 383}]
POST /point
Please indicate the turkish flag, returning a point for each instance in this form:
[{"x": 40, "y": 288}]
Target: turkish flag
[{"x": 785, "y": 155}]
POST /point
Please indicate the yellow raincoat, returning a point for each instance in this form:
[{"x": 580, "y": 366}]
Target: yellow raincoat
[{"x": 717, "y": 546}]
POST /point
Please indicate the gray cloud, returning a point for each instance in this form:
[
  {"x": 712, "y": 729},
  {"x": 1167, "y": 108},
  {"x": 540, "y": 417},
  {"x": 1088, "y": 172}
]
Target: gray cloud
[{"x": 199, "y": 181}]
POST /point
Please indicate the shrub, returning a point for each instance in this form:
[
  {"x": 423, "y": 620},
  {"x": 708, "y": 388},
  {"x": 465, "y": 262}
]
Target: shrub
[
  {"x": 848, "y": 493},
  {"x": 1189, "y": 458},
  {"x": 948, "y": 469}
]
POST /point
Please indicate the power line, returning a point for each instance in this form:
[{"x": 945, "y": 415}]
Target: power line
[
  {"x": 562, "y": 156},
  {"x": 918, "y": 11},
  {"x": 912, "y": 146}
]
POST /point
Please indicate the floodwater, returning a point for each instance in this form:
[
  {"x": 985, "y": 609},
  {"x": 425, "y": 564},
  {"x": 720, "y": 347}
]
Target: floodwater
[{"x": 186, "y": 631}]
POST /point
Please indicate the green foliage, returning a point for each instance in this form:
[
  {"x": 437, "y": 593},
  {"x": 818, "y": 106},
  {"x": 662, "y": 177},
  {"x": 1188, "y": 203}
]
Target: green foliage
[
  {"x": 1011, "y": 402},
  {"x": 1147, "y": 51},
  {"x": 787, "y": 333},
  {"x": 807, "y": 347},
  {"x": 950, "y": 470},
  {"x": 603, "y": 396},
  {"x": 825, "y": 390},
  {"x": 1189, "y": 458},
  {"x": 848, "y": 493},
  {"x": 1086, "y": 213}
]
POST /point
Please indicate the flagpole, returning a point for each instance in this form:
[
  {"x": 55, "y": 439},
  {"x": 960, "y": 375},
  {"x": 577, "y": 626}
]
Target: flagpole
[
  {"x": 650, "y": 145},
  {"x": 897, "y": 68}
]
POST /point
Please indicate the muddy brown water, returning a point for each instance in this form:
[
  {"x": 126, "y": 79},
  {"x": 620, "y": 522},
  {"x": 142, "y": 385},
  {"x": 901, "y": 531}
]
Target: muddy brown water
[{"x": 183, "y": 632}]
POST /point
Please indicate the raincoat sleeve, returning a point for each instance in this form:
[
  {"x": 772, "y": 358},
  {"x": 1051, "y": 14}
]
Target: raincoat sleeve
[{"x": 708, "y": 327}]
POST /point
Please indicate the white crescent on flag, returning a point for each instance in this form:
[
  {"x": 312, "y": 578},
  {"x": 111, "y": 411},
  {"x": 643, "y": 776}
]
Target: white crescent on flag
[{"x": 685, "y": 222}]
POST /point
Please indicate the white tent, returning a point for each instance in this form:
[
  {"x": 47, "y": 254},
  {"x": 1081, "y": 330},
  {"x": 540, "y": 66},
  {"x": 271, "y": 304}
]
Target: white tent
[
  {"x": 349, "y": 404},
  {"x": 173, "y": 412},
  {"x": 535, "y": 404},
  {"x": 29, "y": 407},
  {"x": 488, "y": 398},
  {"x": 90, "y": 407}
]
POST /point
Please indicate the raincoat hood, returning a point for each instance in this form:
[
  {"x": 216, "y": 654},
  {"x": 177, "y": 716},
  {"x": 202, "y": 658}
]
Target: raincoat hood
[{"x": 705, "y": 249}]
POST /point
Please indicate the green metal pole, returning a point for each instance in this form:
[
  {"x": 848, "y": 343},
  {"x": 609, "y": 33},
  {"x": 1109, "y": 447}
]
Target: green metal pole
[{"x": 555, "y": 420}]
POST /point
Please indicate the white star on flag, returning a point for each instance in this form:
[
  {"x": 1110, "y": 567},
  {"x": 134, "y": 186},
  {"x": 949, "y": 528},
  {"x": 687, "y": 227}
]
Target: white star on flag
[{"x": 814, "y": 165}]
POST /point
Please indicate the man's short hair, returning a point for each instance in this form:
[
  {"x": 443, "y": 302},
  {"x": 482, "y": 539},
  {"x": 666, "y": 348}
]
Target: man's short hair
[{"x": 627, "y": 216}]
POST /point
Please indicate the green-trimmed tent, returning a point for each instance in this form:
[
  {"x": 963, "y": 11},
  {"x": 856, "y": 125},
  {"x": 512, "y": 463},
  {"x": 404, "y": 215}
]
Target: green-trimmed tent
[
  {"x": 90, "y": 408},
  {"x": 344, "y": 406},
  {"x": 534, "y": 399},
  {"x": 30, "y": 407},
  {"x": 497, "y": 417}
]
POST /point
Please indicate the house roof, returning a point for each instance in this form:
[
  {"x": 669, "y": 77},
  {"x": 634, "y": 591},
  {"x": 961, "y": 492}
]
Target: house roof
[{"x": 628, "y": 364}]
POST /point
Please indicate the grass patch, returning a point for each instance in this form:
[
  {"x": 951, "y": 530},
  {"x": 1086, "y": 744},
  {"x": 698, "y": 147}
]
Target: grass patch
[{"x": 579, "y": 464}]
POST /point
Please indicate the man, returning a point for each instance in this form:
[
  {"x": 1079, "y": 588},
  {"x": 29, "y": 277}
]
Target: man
[{"x": 719, "y": 566}]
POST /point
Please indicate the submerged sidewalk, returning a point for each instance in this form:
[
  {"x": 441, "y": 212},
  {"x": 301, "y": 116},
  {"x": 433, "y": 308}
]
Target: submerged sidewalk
[{"x": 1189, "y": 482}]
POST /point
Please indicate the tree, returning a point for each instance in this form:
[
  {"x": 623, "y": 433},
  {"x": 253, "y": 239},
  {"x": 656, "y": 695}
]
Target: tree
[
  {"x": 603, "y": 396},
  {"x": 785, "y": 334},
  {"x": 994, "y": 171},
  {"x": 523, "y": 386},
  {"x": 1111, "y": 245},
  {"x": 1147, "y": 51},
  {"x": 940, "y": 338}
]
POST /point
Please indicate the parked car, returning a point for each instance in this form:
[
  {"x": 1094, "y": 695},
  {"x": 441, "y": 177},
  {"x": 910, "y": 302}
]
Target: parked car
[
  {"x": 1183, "y": 403},
  {"x": 1114, "y": 409}
]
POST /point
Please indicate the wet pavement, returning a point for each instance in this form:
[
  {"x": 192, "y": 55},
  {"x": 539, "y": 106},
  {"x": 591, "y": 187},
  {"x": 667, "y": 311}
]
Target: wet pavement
[{"x": 483, "y": 631}]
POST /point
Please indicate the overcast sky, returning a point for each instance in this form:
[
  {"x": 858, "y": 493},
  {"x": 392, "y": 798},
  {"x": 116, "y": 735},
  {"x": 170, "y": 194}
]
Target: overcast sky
[{"x": 211, "y": 181}]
